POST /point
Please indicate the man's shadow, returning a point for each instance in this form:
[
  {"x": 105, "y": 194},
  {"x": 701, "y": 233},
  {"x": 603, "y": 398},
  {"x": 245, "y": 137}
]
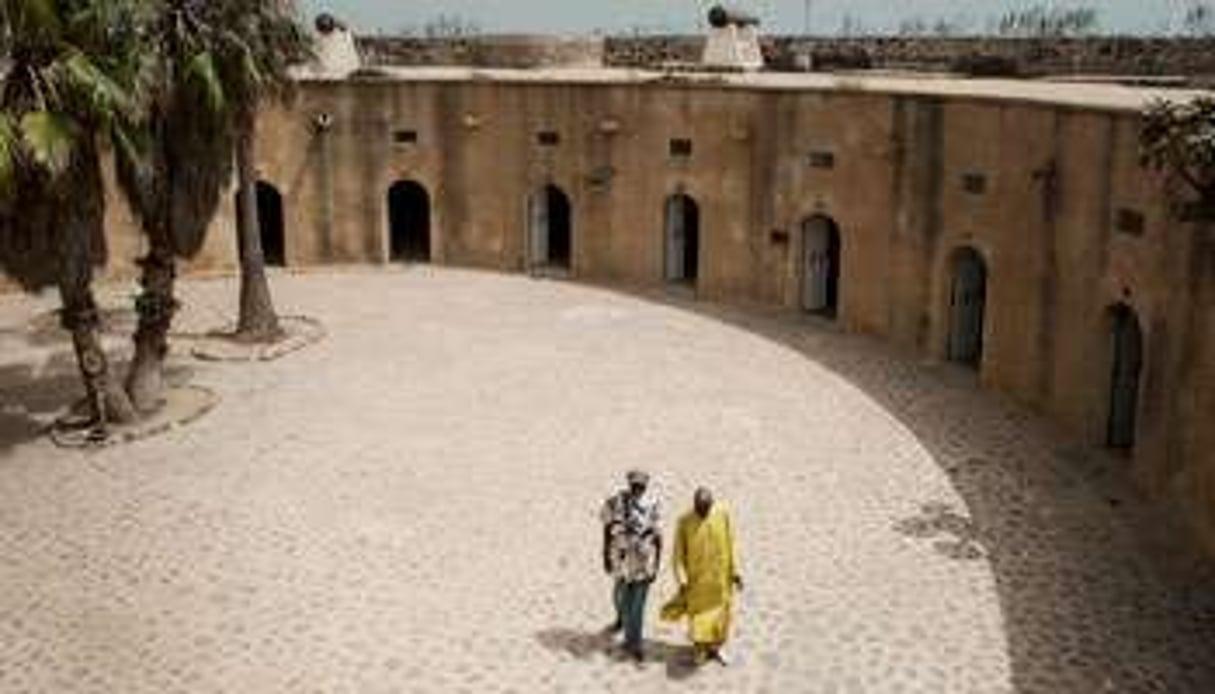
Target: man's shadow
[{"x": 584, "y": 645}]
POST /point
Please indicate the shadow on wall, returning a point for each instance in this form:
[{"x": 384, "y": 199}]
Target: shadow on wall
[{"x": 1078, "y": 558}]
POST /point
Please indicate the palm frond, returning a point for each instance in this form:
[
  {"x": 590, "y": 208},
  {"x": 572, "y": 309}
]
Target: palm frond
[
  {"x": 69, "y": 85},
  {"x": 79, "y": 78},
  {"x": 50, "y": 139},
  {"x": 10, "y": 151},
  {"x": 134, "y": 160},
  {"x": 201, "y": 70},
  {"x": 36, "y": 19}
]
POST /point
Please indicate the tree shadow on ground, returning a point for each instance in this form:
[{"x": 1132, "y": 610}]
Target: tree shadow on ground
[
  {"x": 1100, "y": 590},
  {"x": 587, "y": 645},
  {"x": 32, "y": 396},
  {"x": 956, "y": 535}
]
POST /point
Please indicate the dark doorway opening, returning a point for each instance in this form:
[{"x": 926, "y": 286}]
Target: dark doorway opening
[
  {"x": 1126, "y": 347},
  {"x": 820, "y": 266},
  {"x": 558, "y": 228},
  {"x": 682, "y": 239},
  {"x": 550, "y": 228},
  {"x": 968, "y": 304},
  {"x": 409, "y": 222},
  {"x": 269, "y": 223}
]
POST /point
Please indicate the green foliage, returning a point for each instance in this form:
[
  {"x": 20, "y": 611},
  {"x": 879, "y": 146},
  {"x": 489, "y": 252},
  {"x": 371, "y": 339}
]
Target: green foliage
[
  {"x": 941, "y": 27},
  {"x": 258, "y": 41},
  {"x": 1045, "y": 21},
  {"x": 70, "y": 84},
  {"x": 201, "y": 73},
  {"x": 167, "y": 83},
  {"x": 9, "y": 147},
  {"x": 1178, "y": 138},
  {"x": 210, "y": 63},
  {"x": 49, "y": 138},
  {"x": 1199, "y": 19},
  {"x": 450, "y": 26}
]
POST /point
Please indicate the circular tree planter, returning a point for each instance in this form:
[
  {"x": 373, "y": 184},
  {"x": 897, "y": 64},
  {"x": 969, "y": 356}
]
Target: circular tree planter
[
  {"x": 222, "y": 346},
  {"x": 183, "y": 405}
]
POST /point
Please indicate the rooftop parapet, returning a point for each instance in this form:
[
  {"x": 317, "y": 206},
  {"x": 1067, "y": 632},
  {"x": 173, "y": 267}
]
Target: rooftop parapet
[
  {"x": 337, "y": 57},
  {"x": 733, "y": 42}
]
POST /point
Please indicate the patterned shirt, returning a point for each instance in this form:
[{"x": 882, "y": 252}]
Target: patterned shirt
[{"x": 633, "y": 535}]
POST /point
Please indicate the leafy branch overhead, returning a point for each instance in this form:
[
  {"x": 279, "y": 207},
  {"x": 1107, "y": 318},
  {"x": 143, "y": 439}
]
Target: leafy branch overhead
[
  {"x": 69, "y": 87},
  {"x": 1178, "y": 139},
  {"x": 209, "y": 63},
  {"x": 170, "y": 88}
]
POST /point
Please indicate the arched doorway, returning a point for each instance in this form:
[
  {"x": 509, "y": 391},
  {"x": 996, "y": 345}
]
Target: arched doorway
[
  {"x": 551, "y": 228},
  {"x": 967, "y": 305},
  {"x": 269, "y": 223},
  {"x": 820, "y": 266},
  {"x": 408, "y": 222},
  {"x": 682, "y": 239},
  {"x": 1126, "y": 352}
]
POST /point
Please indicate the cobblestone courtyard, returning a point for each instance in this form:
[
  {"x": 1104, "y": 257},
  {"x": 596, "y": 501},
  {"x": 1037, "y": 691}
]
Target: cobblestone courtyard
[{"x": 411, "y": 506}]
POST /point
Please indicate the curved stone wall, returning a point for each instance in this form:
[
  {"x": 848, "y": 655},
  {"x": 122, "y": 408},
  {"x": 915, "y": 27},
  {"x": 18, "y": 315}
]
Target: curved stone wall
[
  {"x": 1150, "y": 57},
  {"x": 1003, "y": 225},
  {"x": 506, "y": 51}
]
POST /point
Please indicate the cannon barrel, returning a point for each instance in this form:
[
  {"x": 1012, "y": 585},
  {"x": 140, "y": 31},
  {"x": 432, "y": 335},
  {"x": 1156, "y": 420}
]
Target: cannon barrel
[
  {"x": 327, "y": 23},
  {"x": 721, "y": 17}
]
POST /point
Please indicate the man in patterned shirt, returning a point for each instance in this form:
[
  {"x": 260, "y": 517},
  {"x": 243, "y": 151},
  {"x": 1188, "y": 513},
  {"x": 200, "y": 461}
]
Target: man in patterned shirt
[{"x": 632, "y": 553}]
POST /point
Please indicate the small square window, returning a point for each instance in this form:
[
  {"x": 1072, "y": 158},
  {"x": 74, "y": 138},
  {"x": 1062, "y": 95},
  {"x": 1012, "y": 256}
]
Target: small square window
[
  {"x": 548, "y": 138},
  {"x": 822, "y": 159},
  {"x": 1130, "y": 221},
  {"x": 974, "y": 183},
  {"x": 405, "y": 137},
  {"x": 680, "y": 147}
]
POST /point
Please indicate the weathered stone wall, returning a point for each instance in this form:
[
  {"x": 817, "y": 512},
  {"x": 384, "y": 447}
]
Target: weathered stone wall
[
  {"x": 1031, "y": 57},
  {"x": 1101, "y": 55},
  {"x": 513, "y": 51},
  {"x": 1057, "y": 183},
  {"x": 654, "y": 51},
  {"x": 1055, "y": 178}
]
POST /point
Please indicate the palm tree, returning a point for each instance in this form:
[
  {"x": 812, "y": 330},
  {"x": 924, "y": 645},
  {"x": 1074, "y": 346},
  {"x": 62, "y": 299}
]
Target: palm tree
[
  {"x": 260, "y": 41},
  {"x": 67, "y": 91},
  {"x": 181, "y": 163},
  {"x": 212, "y": 62}
]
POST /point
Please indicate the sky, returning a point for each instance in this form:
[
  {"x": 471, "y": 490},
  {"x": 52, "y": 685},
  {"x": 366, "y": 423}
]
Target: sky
[{"x": 685, "y": 16}]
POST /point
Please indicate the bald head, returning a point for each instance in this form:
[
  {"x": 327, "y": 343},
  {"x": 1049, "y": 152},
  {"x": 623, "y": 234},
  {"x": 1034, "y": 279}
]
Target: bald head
[{"x": 702, "y": 502}]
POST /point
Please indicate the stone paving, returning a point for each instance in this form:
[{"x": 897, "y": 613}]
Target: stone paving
[{"x": 410, "y": 506}]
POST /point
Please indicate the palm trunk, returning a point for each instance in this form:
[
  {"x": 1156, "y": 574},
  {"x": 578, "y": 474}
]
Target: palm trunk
[
  {"x": 105, "y": 400},
  {"x": 156, "y": 306},
  {"x": 258, "y": 322}
]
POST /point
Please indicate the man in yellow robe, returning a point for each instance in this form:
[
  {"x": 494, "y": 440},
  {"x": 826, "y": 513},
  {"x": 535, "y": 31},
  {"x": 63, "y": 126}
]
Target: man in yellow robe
[{"x": 707, "y": 573}]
